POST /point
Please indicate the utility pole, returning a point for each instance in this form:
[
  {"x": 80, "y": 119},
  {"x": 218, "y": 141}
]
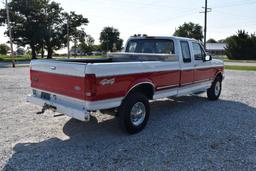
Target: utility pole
[
  {"x": 68, "y": 38},
  {"x": 205, "y": 22},
  {"x": 10, "y": 32},
  {"x": 206, "y": 10}
]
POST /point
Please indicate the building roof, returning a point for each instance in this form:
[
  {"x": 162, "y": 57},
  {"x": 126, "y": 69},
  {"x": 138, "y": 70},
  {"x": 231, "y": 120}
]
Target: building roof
[{"x": 216, "y": 46}]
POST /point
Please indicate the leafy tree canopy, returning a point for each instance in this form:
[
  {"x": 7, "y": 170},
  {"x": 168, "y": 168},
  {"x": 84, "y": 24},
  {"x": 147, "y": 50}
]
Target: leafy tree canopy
[
  {"x": 110, "y": 39},
  {"x": 190, "y": 30},
  {"x": 212, "y": 41},
  {"x": 241, "y": 46},
  {"x": 42, "y": 24},
  {"x": 87, "y": 44},
  {"x": 4, "y": 49},
  {"x": 140, "y": 35}
]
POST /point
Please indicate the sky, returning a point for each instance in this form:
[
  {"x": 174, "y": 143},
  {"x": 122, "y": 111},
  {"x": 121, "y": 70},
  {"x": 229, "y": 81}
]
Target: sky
[{"x": 161, "y": 17}]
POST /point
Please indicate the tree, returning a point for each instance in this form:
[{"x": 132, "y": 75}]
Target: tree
[
  {"x": 140, "y": 35},
  {"x": 222, "y": 41},
  {"x": 4, "y": 49},
  {"x": 110, "y": 39},
  {"x": 87, "y": 45},
  {"x": 25, "y": 19},
  {"x": 55, "y": 35},
  {"x": 76, "y": 32},
  {"x": 190, "y": 30},
  {"x": 41, "y": 24},
  {"x": 52, "y": 26},
  {"x": 241, "y": 46},
  {"x": 211, "y": 41},
  {"x": 96, "y": 48}
]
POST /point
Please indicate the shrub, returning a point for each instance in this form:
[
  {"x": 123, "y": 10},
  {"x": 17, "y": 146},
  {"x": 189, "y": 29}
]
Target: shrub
[{"x": 241, "y": 46}]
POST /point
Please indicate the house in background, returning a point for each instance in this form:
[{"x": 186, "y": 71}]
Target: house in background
[
  {"x": 216, "y": 48},
  {"x": 77, "y": 52}
]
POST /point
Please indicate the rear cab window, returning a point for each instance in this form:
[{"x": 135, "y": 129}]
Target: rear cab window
[
  {"x": 185, "y": 51},
  {"x": 158, "y": 46}
]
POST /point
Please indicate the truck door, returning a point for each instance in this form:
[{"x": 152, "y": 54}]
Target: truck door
[
  {"x": 203, "y": 69},
  {"x": 187, "y": 64}
]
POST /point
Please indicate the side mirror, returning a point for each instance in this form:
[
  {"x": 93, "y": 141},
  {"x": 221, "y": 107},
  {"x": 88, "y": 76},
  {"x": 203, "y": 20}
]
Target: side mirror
[{"x": 207, "y": 58}]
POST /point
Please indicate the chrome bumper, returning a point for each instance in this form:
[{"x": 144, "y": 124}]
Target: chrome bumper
[{"x": 75, "y": 111}]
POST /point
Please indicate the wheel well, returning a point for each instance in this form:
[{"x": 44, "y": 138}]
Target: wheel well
[
  {"x": 219, "y": 75},
  {"x": 147, "y": 89}
]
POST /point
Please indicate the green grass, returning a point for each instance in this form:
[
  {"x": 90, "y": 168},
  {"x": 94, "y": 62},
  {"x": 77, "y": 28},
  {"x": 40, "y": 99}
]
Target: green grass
[
  {"x": 5, "y": 58},
  {"x": 27, "y": 58},
  {"x": 242, "y": 61},
  {"x": 65, "y": 57},
  {"x": 225, "y": 59},
  {"x": 241, "y": 68}
]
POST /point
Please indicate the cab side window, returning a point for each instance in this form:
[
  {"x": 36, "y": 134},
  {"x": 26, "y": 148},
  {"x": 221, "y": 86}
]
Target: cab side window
[
  {"x": 198, "y": 51},
  {"x": 185, "y": 52}
]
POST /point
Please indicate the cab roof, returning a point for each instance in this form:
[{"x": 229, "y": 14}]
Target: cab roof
[{"x": 163, "y": 37}]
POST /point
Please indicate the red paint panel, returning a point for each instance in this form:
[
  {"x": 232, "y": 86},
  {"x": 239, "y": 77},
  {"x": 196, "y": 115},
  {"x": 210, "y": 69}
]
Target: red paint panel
[
  {"x": 65, "y": 85},
  {"x": 207, "y": 73},
  {"x": 187, "y": 77},
  {"x": 77, "y": 87},
  {"x": 124, "y": 82},
  {"x": 169, "y": 78},
  {"x": 61, "y": 84},
  {"x": 204, "y": 74},
  {"x": 118, "y": 89}
]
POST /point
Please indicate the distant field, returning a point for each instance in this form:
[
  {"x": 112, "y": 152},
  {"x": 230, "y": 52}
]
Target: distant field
[
  {"x": 241, "y": 68},
  {"x": 65, "y": 57},
  {"x": 228, "y": 67},
  {"x": 27, "y": 58},
  {"x": 225, "y": 59},
  {"x": 242, "y": 61},
  {"x": 17, "y": 58}
]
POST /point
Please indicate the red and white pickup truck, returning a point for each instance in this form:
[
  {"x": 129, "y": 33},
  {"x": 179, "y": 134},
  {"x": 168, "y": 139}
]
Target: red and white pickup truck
[{"x": 150, "y": 68}]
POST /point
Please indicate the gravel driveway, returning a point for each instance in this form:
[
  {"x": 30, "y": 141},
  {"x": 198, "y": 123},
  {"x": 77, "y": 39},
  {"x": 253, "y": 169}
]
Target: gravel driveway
[{"x": 190, "y": 133}]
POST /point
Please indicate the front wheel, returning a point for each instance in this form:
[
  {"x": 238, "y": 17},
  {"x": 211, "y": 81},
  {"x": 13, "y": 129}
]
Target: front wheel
[
  {"x": 214, "y": 92},
  {"x": 134, "y": 113}
]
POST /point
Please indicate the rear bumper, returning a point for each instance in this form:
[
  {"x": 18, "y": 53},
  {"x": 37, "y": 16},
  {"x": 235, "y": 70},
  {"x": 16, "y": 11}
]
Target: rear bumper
[{"x": 75, "y": 111}]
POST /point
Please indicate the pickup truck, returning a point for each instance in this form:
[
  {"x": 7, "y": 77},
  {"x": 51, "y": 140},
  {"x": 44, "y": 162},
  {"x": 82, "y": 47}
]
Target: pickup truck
[{"x": 124, "y": 83}]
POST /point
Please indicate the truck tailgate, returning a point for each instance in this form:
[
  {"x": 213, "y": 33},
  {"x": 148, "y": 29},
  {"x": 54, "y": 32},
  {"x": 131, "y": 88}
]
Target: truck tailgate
[{"x": 64, "y": 78}]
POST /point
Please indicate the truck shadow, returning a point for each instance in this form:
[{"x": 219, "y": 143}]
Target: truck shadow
[{"x": 186, "y": 120}]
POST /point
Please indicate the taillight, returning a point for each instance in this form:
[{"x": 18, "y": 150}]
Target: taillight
[{"x": 90, "y": 85}]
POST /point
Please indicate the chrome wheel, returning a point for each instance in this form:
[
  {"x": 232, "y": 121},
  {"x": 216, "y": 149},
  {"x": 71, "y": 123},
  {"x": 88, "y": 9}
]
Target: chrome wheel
[
  {"x": 138, "y": 113},
  {"x": 217, "y": 88}
]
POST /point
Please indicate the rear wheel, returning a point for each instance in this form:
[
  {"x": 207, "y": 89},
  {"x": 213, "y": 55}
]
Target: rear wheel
[
  {"x": 214, "y": 92},
  {"x": 134, "y": 113}
]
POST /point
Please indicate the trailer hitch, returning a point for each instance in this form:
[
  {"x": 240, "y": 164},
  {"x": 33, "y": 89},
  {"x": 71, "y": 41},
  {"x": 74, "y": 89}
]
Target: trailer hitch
[{"x": 46, "y": 107}]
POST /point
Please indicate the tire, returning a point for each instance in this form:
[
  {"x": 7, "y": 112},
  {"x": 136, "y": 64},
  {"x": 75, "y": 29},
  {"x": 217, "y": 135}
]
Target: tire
[
  {"x": 214, "y": 92},
  {"x": 134, "y": 113}
]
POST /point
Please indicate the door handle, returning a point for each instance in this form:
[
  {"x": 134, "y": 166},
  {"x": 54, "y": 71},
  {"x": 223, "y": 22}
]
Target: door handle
[{"x": 53, "y": 68}]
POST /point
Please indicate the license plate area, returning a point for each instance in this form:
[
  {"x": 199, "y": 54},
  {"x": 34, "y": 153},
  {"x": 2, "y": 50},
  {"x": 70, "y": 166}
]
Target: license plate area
[{"x": 45, "y": 96}]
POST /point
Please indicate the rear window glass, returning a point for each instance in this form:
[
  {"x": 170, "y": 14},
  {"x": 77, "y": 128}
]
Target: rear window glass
[
  {"x": 185, "y": 51},
  {"x": 159, "y": 46}
]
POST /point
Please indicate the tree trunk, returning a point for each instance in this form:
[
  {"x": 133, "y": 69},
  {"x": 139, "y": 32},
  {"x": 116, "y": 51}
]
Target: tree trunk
[
  {"x": 50, "y": 52},
  {"x": 75, "y": 47},
  {"x": 33, "y": 51},
  {"x": 42, "y": 51}
]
